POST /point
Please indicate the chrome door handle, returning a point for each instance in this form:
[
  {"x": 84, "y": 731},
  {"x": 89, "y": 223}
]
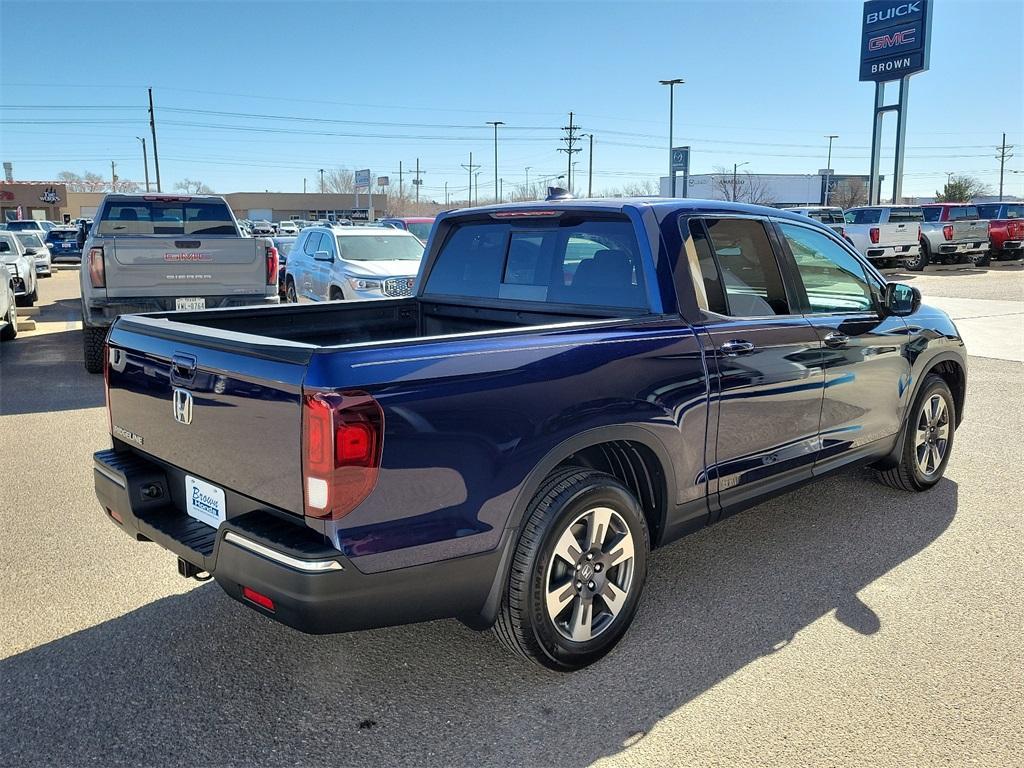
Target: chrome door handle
[
  {"x": 737, "y": 347},
  {"x": 836, "y": 339}
]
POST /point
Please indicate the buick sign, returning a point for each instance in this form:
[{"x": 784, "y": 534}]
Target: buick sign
[{"x": 895, "y": 39}]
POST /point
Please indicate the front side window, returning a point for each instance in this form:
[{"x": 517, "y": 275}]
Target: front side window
[
  {"x": 749, "y": 271},
  {"x": 834, "y": 280}
]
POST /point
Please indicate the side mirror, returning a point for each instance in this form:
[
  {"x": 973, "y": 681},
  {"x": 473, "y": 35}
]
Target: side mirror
[
  {"x": 901, "y": 300},
  {"x": 323, "y": 256},
  {"x": 30, "y": 251}
]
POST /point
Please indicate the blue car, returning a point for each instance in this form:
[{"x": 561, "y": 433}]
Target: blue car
[{"x": 63, "y": 244}]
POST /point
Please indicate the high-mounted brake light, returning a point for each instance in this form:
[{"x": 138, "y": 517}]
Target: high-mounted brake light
[
  {"x": 342, "y": 439},
  {"x": 97, "y": 272},
  {"x": 874, "y": 234},
  {"x": 947, "y": 231},
  {"x": 169, "y": 198},
  {"x": 524, "y": 214},
  {"x": 273, "y": 263}
]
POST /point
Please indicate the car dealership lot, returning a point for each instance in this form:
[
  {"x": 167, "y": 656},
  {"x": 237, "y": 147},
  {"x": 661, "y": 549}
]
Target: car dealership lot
[{"x": 841, "y": 623}]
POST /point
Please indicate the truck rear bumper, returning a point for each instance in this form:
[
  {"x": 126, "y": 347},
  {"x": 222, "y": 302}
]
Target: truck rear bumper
[
  {"x": 960, "y": 248},
  {"x": 893, "y": 251},
  {"x": 313, "y": 587},
  {"x": 103, "y": 312}
]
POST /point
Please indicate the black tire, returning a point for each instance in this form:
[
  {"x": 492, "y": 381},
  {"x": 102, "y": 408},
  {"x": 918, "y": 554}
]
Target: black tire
[
  {"x": 336, "y": 294},
  {"x": 291, "y": 296},
  {"x": 908, "y": 475},
  {"x": 523, "y": 625},
  {"x": 93, "y": 340},
  {"x": 10, "y": 331},
  {"x": 983, "y": 261},
  {"x": 922, "y": 260}
]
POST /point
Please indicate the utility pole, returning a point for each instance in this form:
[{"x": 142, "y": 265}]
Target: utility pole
[
  {"x": 735, "y": 167},
  {"x": 528, "y": 182},
  {"x": 303, "y": 185},
  {"x": 671, "y": 120},
  {"x": 446, "y": 194},
  {"x": 496, "y": 123},
  {"x": 501, "y": 190},
  {"x": 590, "y": 166},
  {"x": 828, "y": 166},
  {"x": 152, "y": 128},
  {"x": 469, "y": 168},
  {"x": 476, "y": 199},
  {"x": 571, "y": 138},
  {"x": 1004, "y": 155},
  {"x": 145, "y": 160},
  {"x": 113, "y": 177},
  {"x": 401, "y": 187},
  {"x": 416, "y": 182},
  {"x": 321, "y": 181}
]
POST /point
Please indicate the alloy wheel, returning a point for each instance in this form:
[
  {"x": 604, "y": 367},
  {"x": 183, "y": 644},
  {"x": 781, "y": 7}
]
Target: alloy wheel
[
  {"x": 590, "y": 574},
  {"x": 932, "y": 436}
]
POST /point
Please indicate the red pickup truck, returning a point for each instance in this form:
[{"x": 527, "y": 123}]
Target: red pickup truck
[{"x": 1005, "y": 229}]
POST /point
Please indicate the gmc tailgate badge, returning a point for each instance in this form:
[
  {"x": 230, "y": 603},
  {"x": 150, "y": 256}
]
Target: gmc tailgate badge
[{"x": 182, "y": 406}]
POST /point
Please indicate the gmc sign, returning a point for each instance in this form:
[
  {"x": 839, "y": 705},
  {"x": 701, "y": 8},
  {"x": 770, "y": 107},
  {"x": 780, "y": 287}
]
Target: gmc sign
[{"x": 894, "y": 39}]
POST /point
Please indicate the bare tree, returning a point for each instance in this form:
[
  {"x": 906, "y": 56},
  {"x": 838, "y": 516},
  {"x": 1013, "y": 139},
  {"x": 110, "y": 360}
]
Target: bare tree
[
  {"x": 756, "y": 191},
  {"x": 848, "y": 193},
  {"x": 93, "y": 182},
  {"x": 194, "y": 186},
  {"x": 961, "y": 188},
  {"x": 341, "y": 180}
]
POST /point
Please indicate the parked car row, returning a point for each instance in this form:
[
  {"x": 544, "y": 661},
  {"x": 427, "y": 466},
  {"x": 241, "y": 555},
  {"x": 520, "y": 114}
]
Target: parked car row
[{"x": 917, "y": 235}]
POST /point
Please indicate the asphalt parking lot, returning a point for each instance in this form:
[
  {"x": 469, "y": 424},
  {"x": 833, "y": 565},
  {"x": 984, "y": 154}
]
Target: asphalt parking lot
[{"x": 843, "y": 623}]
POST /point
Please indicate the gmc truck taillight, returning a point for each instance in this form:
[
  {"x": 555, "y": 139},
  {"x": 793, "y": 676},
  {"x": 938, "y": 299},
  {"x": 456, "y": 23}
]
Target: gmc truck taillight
[
  {"x": 947, "y": 231},
  {"x": 342, "y": 439},
  {"x": 273, "y": 262},
  {"x": 97, "y": 273},
  {"x": 918, "y": 231},
  {"x": 874, "y": 235}
]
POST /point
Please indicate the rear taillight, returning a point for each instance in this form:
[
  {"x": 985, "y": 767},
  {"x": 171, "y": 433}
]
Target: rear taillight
[
  {"x": 272, "y": 265},
  {"x": 947, "y": 231},
  {"x": 342, "y": 438},
  {"x": 106, "y": 387},
  {"x": 97, "y": 273},
  {"x": 874, "y": 234},
  {"x": 918, "y": 231}
]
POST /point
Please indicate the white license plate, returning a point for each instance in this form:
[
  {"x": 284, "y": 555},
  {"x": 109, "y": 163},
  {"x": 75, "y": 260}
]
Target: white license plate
[
  {"x": 196, "y": 302},
  {"x": 204, "y": 501}
]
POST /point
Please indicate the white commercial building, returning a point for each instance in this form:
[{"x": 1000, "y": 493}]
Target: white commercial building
[{"x": 778, "y": 189}]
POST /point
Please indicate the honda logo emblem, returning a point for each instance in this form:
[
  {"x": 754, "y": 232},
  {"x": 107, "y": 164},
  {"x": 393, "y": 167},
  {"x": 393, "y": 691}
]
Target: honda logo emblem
[{"x": 182, "y": 406}]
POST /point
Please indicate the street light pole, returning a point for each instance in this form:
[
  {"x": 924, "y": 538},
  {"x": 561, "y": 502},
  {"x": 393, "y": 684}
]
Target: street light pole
[
  {"x": 671, "y": 119},
  {"x": 145, "y": 160},
  {"x": 321, "y": 181},
  {"x": 590, "y": 166},
  {"x": 828, "y": 165},
  {"x": 495, "y": 123},
  {"x": 528, "y": 182},
  {"x": 736, "y": 167}
]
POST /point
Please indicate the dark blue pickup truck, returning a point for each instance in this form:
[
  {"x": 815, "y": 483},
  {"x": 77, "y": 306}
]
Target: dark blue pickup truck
[{"x": 573, "y": 384}]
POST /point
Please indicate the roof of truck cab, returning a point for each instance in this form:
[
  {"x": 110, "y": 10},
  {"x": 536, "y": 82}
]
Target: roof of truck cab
[{"x": 661, "y": 206}]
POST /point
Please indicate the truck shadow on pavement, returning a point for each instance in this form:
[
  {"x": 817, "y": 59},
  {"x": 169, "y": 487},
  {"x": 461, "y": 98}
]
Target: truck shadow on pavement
[{"x": 197, "y": 679}]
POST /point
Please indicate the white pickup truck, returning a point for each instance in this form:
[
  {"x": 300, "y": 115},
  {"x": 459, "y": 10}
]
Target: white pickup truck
[{"x": 886, "y": 234}]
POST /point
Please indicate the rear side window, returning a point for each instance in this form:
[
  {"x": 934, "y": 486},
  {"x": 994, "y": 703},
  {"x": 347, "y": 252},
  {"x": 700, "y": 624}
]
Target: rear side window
[
  {"x": 748, "y": 267},
  {"x": 166, "y": 217},
  {"x": 312, "y": 243},
  {"x": 590, "y": 263},
  {"x": 903, "y": 215}
]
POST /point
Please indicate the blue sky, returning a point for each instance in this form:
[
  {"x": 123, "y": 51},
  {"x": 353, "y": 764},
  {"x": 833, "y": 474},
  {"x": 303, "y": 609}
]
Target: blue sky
[{"x": 765, "y": 82}]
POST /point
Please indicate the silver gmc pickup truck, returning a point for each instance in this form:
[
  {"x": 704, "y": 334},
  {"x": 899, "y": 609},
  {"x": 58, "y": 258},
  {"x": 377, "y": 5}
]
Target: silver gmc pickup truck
[
  {"x": 150, "y": 253},
  {"x": 952, "y": 233}
]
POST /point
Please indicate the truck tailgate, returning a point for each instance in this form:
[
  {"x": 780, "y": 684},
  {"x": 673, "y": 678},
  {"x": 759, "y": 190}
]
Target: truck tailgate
[
  {"x": 236, "y": 422},
  {"x": 187, "y": 265},
  {"x": 970, "y": 231},
  {"x": 901, "y": 233}
]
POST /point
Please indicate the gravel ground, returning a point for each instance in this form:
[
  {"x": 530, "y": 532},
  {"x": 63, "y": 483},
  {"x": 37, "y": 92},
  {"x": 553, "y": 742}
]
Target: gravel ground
[{"x": 841, "y": 624}]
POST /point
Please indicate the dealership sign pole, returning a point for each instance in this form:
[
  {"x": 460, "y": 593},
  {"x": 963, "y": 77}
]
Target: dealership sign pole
[{"x": 895, "y": 44}]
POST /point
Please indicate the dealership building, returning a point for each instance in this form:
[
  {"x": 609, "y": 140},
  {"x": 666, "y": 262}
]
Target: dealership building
[
  {"x": 778, "y": 189},
  {"x": 52, "y": 201}
]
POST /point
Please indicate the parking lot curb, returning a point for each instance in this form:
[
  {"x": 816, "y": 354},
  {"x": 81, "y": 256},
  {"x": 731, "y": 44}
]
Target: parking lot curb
[
  {"x": 28, "y": 311},
  {"x": 25, "y": 323}
]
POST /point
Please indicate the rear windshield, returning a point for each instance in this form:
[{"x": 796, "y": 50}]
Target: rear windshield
[
  {"x": 991, "y": 211},
  {"x": 931, "y": 214},
  {"x": 827, "y": 217},
  {"x": 23, "y": 225},
  {"x": 590, "y": 262},
  {"x": 166, "y": 217},
  {"x": 383, "y": 247},
  {"x": 864, "y": 216},
  {"x": 963, "y": 213},
  {"x": 30, "y": 240},
  {"x": 421, "y": 229},
  {"x": 62, "y": 236},
  {"x": 901, "y": 215}
]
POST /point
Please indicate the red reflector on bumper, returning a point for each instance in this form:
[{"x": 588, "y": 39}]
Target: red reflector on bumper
[
  {"x": 115, "y": 515},
  {"x": 261, "y": 600}
]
